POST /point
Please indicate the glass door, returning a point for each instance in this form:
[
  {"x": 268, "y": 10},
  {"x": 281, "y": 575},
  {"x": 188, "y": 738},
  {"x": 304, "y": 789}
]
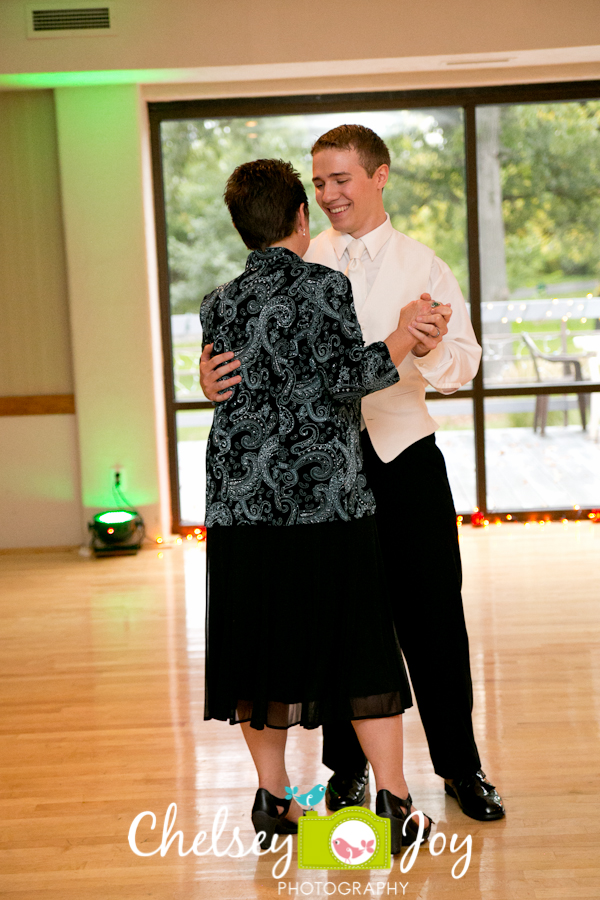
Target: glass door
[{"x": 538, "y": 168}]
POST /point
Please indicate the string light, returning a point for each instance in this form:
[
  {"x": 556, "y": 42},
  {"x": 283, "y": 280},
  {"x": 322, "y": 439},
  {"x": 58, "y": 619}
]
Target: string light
[
  {"x": 479, "y": 520},
  {"x": 197, "y": 534}
]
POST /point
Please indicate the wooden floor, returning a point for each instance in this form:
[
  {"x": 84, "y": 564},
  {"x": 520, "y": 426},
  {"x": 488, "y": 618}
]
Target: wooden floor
[{"x": 101, "y": 719}]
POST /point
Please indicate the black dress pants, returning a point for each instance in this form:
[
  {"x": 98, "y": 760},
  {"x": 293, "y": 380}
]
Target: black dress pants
[{"x": 416, "y": 521}]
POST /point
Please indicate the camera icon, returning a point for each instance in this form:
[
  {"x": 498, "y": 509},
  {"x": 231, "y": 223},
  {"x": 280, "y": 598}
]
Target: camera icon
[{"x": 353, "y": 838}]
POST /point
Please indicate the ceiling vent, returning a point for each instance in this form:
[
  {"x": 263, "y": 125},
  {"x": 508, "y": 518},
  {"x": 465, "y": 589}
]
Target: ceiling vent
[{"x": 68, "y": 19}]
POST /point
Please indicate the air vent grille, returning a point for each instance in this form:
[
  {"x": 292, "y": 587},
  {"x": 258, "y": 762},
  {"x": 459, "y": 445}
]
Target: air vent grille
[{"x": 70, "y": 19}]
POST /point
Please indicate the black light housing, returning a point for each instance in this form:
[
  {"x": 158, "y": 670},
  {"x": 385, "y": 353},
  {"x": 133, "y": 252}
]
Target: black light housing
[{"x": 116, "y": 532}]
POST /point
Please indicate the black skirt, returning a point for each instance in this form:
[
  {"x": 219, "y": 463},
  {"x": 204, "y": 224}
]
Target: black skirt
[{"x": 298, "y": 626}]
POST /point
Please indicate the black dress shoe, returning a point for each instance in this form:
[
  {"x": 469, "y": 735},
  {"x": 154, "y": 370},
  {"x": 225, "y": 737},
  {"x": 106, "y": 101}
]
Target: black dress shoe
[
  {"x": 405, "y": 828},
  {"x": 476, "y": 797},
  {"x": 346, "y": 790},
  {"x": 267, "y": 818}
]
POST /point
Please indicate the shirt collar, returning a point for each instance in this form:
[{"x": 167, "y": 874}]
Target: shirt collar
[{"x": 373, "y": 241}]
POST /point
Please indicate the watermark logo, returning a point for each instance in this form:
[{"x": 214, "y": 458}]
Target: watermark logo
[
  {"x": 353, "y": 838},
  {"x": 309, "y": 799}
]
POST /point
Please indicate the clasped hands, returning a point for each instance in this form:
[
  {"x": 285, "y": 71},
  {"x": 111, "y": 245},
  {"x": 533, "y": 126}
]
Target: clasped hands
[{"x": 426, "y": 325}]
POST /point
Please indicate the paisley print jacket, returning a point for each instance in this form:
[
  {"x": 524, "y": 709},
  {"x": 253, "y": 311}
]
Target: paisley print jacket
[{"x": 284, "y": 449}]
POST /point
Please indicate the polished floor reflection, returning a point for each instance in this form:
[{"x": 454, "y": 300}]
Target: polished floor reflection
[{"x": 101, "y": 719}]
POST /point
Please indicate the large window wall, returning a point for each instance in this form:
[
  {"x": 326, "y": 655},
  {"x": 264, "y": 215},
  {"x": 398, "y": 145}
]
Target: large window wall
[{"x": 504, "y": 184}]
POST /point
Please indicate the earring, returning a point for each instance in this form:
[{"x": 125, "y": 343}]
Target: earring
[{"x": 304, "y": 232}]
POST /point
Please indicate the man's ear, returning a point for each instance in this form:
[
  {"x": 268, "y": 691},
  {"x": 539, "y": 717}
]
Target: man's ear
[{"x": 381, "y": 176}]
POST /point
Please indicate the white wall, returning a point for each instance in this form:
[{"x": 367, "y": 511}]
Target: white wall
[
  {"x": 113, "y": 303},
  {"x": 40, "y": 497},
  {"x": 39, "y": 482},
  {"x": 221, "y": 48},
  {"x": 178, "y": 34}
]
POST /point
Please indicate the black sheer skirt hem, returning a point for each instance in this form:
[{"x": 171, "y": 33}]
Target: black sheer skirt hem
[
  {"x": 275, "y": 714},
  {"x": 299, "y": 628}
]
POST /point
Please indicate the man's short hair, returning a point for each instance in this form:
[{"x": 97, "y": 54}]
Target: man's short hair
[
  {"x": 372, "y": 151},
  {"x": 263, "y": 198}
]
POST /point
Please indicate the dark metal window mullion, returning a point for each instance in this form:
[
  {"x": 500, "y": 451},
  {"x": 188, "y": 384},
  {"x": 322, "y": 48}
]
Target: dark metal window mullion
[{"x": 475, "y": 299}]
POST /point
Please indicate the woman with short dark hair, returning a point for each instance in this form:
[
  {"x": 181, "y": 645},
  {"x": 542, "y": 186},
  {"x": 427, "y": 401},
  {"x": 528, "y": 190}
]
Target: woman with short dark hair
[{"x": 292, "y": 549}]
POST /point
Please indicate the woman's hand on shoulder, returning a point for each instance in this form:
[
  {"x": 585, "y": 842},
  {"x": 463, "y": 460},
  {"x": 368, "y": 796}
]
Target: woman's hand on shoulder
[{"x": 212, "y": 368}]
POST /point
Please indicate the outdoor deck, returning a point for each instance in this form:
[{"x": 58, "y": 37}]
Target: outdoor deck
[{"x": 525, "y": 470}]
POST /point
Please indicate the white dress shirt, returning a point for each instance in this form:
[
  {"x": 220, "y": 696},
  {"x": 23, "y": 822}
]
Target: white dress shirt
[{"x": 448, "y": 367}]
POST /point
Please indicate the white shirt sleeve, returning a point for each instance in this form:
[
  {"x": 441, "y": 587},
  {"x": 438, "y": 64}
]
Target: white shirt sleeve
[{"x": 456, "y": 359}]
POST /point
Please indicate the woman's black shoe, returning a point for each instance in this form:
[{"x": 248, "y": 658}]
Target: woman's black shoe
[
  {"x": 267, "y": 818},
  {"x": 388, "y": 806}
]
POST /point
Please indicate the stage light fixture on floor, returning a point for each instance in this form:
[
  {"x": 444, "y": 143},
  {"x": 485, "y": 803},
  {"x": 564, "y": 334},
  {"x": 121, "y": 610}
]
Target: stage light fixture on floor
[{"x": 116, "y": 532}]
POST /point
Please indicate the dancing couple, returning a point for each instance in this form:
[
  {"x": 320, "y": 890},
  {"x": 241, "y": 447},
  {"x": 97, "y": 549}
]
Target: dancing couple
[{"x": 309, "y": 614}]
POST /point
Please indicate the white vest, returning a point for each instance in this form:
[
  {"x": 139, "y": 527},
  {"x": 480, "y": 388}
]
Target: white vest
[{"x": 397, "y": 416}]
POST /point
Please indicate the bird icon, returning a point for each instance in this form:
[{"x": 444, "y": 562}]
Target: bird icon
[
  {"x": 347, "y": 852},
  {"x": 310, "y": 798}
]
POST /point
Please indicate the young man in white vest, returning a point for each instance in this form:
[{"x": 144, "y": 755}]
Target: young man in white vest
[{"x": 402, "y": 463}]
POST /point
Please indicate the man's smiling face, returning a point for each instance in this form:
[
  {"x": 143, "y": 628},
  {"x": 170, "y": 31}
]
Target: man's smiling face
[{"x": 349, "y": 197}]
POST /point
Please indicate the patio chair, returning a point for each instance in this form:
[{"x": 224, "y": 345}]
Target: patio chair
[{"x": 571, "y": 363}]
